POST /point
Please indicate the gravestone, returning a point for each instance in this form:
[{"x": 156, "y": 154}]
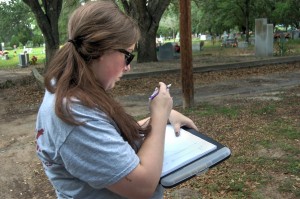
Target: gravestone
[
  {"x": 195, "y": 47},
  {"x": 208, "y": 37},
  {"x": 2, "y": 46},
  {"x": 203, "y": 37},
  {"x": 166, "y": 52},
  {"x": 243, "y": 44},
  {"x": 252, "y": 41},
  {"x": 296, "y": 34},
  {"x": 23, "y": 60},
  {"x": 5, "y": 56},
  {"x": 224, "y": 37},
  {"x": 263, "y": 38}
]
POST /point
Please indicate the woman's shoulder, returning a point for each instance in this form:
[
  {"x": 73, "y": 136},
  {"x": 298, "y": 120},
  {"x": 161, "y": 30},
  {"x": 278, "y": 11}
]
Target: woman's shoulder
[{"x": 83, "y": 113}]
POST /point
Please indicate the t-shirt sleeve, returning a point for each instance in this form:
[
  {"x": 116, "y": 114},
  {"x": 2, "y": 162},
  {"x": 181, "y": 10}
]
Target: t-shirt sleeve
[{"x": 96, "y": 153}]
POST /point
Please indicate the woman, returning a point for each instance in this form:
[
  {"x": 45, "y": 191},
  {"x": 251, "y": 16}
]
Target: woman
[{"x": 89, "y": 146}]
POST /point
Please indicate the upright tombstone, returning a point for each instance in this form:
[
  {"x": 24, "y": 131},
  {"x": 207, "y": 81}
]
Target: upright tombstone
[
  {"x": 263, "y": 38},
  {"x": 2, "y": 46},
  {"x": 166, "y": 52},
  {"x": 23, "y": 59},
  {"x": 296, "y": 34}
]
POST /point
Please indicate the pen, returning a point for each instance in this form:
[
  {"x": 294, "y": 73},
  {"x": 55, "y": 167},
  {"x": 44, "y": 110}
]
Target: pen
[{"x": 155, "y": 93}]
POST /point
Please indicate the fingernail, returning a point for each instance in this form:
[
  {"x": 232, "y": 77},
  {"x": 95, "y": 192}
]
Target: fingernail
[{"x": 177, "y": 134}]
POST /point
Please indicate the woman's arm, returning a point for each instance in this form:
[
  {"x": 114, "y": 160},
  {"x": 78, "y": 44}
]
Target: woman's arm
[
  {"x": 176, "y": 119},
  {"x": 144, "y": 122},
  {"x": 143, "y": 180}
]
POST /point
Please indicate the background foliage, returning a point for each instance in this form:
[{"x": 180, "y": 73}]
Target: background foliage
[{"x": 18, "y": 25}]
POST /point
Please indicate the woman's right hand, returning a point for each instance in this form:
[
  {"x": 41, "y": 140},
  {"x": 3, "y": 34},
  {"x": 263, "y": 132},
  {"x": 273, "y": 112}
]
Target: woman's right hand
[
  {"x": 151, "y": 153},
  {"x": 163, "y": 102}
]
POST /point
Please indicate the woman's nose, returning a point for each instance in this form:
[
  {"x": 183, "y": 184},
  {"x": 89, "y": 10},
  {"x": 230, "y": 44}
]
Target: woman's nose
[{"x": 127, "y": 68}]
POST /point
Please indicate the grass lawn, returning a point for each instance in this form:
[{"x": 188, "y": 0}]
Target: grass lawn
[{"x": 291, "y": 47}]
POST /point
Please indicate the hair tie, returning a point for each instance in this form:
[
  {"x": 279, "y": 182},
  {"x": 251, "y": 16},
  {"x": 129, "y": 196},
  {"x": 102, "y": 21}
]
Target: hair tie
[
  {"x": 72, "y": 41},
  {"x": 76, "y": 42}
]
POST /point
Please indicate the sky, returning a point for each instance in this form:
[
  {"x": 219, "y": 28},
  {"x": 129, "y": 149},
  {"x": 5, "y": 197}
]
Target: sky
[{"x": 4, "y": 1}]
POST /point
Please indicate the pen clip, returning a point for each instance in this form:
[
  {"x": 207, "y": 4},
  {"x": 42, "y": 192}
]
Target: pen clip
[{"x": 155, "y": 93}]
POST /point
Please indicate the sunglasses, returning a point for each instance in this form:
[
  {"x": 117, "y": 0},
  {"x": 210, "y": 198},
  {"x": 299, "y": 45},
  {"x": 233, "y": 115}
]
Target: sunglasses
[{"x": 128, "y": 56}]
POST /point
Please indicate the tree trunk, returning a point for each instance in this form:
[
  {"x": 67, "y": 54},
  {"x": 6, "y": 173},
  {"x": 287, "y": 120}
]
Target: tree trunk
[
  {"x": 50, "y": 52},
  {"x": 148, "y": 15},
  {"x": 47, "y": 15},
  {"x": 146, "y": 45}
]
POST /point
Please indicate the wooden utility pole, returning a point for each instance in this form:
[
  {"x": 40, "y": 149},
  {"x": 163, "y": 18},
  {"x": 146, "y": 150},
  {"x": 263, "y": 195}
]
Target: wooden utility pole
[{"x": 186, "y": 54}]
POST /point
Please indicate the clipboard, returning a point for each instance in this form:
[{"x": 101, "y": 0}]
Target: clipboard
[{"x": 198, "y": 166}]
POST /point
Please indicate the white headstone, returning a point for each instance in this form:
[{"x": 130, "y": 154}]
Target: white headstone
[{"x": 263, "y": 38}]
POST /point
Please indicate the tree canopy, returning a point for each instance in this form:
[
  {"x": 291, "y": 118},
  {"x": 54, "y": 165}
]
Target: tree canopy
[
  {"x": 17, "y": 24},
  {"x": 43, "y": 21},
  {"x": 216, "y": 16}
]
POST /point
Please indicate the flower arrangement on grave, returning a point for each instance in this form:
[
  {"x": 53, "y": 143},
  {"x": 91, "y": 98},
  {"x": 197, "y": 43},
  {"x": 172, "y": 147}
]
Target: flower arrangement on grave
[
  {"x": 33, "y": 60},
  {"x": 2, "y": 53}
]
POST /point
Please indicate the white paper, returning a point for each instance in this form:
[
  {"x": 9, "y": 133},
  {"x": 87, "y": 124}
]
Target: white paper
[{"x": 179, "y": 151}]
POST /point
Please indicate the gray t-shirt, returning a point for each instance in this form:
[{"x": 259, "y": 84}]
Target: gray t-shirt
[{"x": 80, "y": 161}]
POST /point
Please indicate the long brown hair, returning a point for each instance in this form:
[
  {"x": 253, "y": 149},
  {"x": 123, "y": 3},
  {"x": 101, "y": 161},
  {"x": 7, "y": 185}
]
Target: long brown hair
[{"x": 93, "y": 29}]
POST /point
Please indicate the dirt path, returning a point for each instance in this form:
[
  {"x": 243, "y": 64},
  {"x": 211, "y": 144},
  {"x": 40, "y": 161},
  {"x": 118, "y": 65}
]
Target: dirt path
[
  {"x": 253, "y": 86},
  {"x": 20, "y": 174},
  {"x": 17, "y": 153}
]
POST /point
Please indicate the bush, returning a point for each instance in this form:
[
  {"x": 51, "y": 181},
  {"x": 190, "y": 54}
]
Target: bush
[
  {"x": 8, "y": 48},
  {"x": 21, "y": 46},
  {"x": 29, "y": 44}
]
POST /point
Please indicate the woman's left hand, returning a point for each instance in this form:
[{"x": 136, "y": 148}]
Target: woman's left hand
[{"x": 178, "y": 120}]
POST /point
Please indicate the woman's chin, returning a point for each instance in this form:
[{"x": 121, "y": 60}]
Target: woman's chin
[{"x": 111, "y": 86}]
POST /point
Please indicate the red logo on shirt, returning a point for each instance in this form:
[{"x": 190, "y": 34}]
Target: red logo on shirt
[{"x": 39, "y": 133}]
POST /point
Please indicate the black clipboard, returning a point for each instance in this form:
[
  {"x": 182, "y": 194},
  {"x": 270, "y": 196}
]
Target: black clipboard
[{"x": 198, "y": 166}]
